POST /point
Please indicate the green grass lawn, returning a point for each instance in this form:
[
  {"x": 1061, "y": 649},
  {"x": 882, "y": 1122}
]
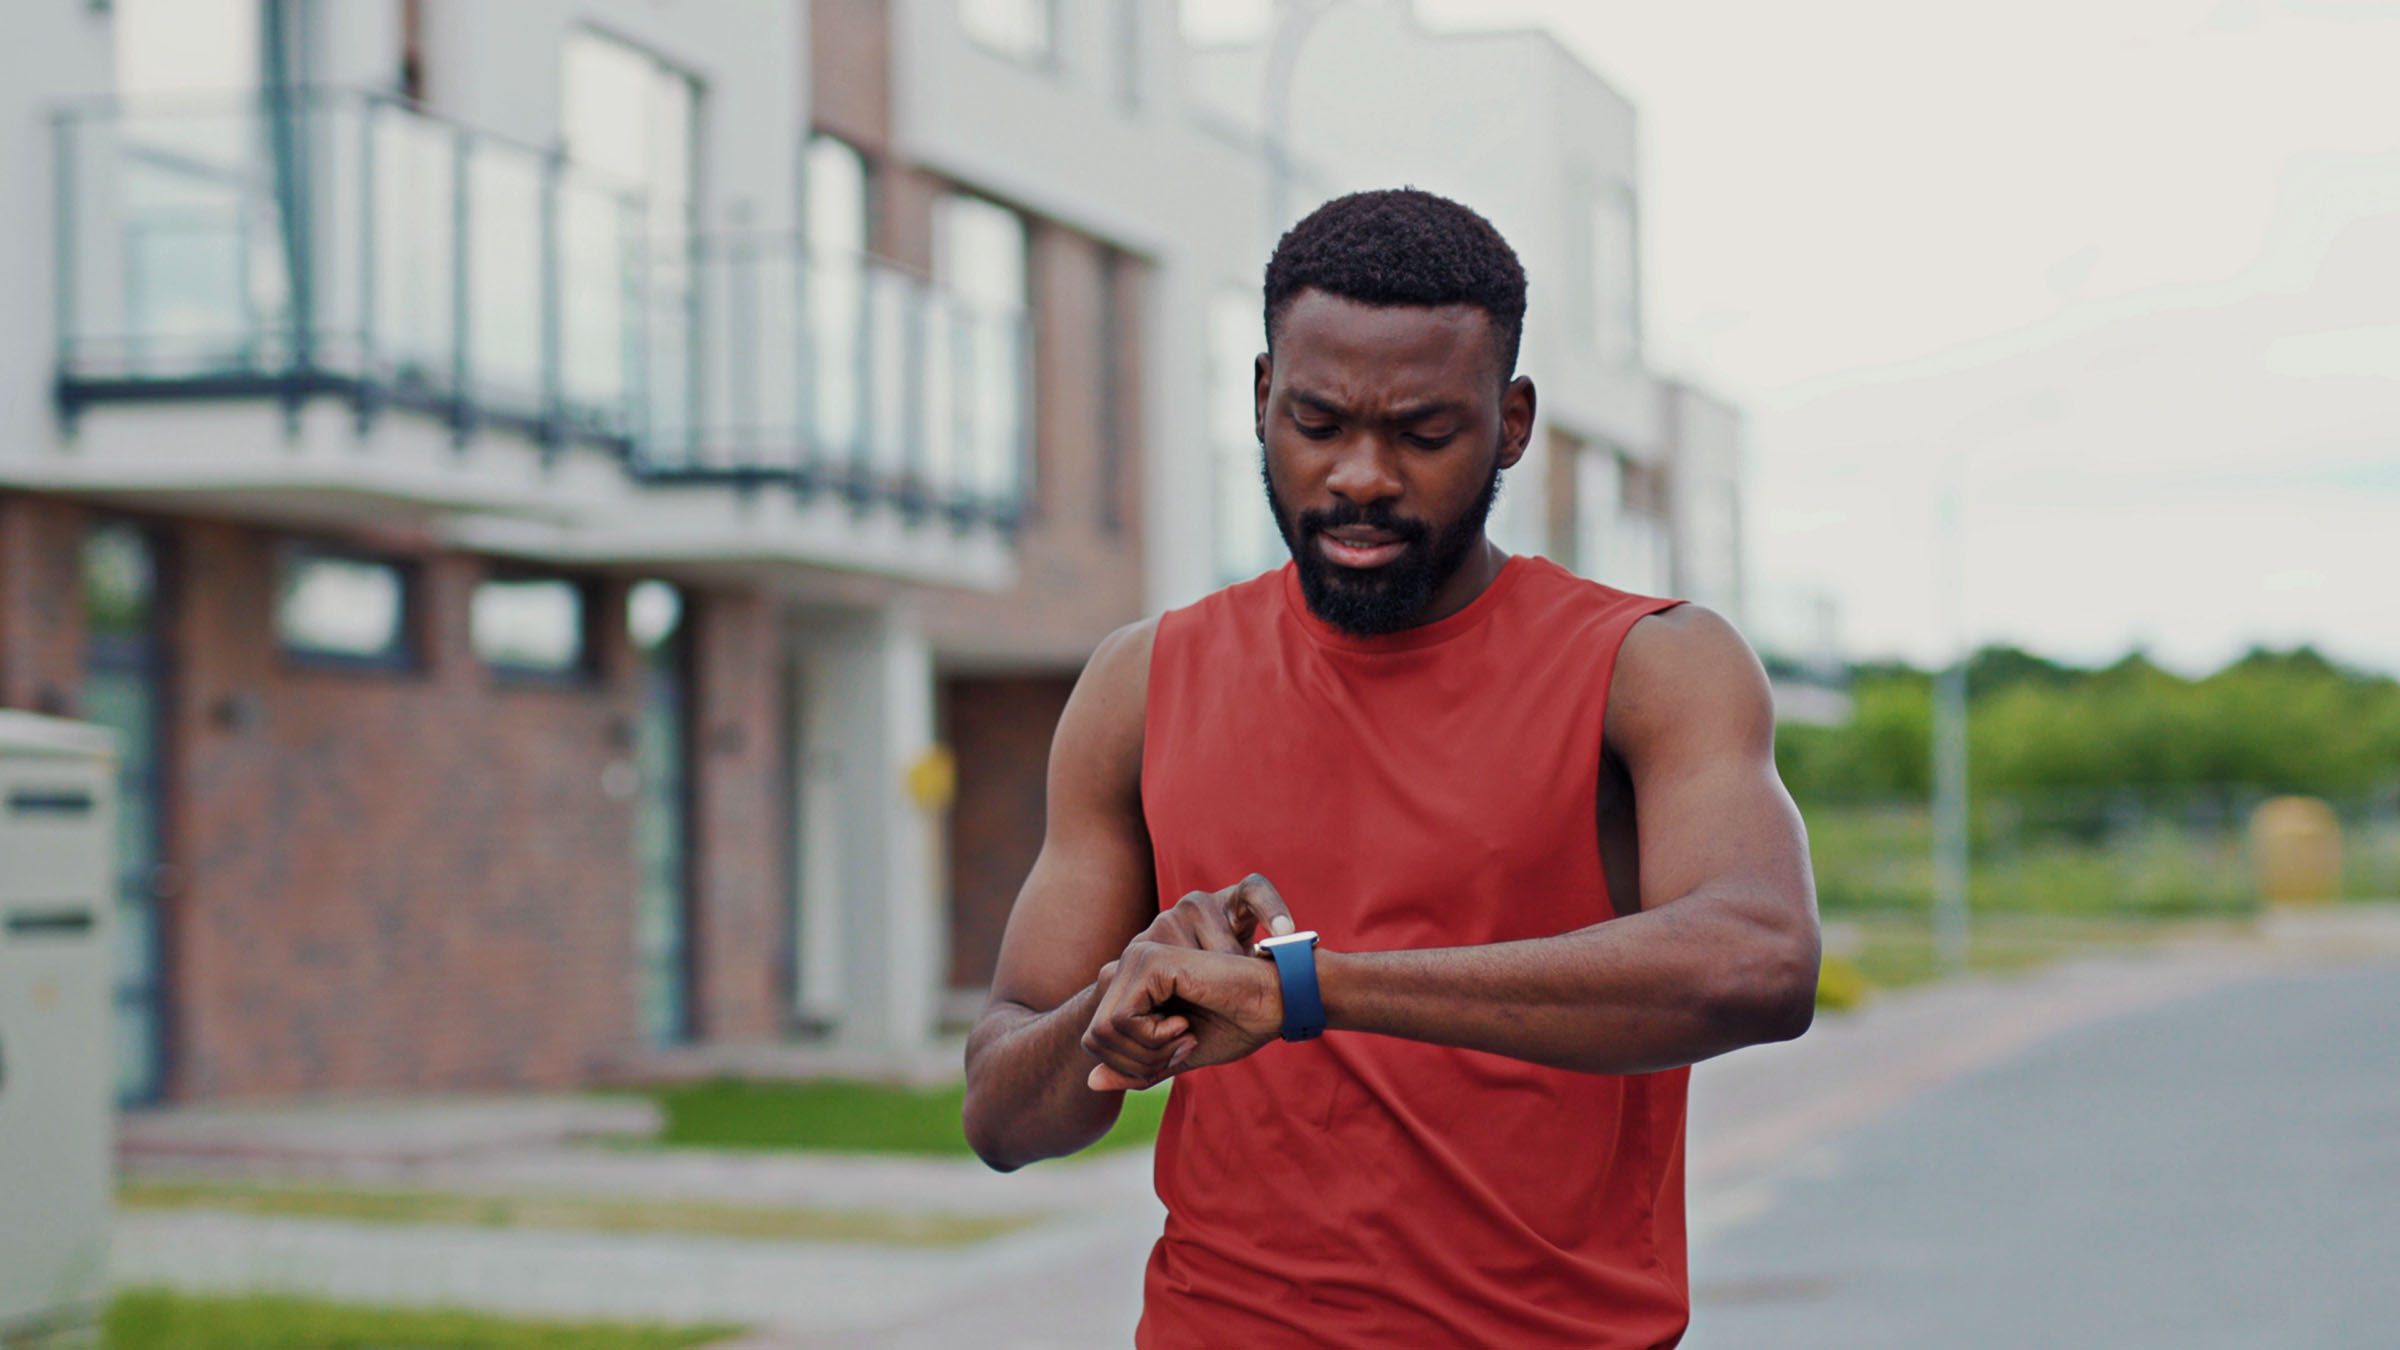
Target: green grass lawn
[
  {"x": 851, "y": 1117},
  {"x": 1896, "y": 950},
  {"x": 598, "y": 1214},
  {"x": 155, "y": 1319}
]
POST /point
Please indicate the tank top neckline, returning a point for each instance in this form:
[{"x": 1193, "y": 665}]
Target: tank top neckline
[{"x": 1407, "y": 639}]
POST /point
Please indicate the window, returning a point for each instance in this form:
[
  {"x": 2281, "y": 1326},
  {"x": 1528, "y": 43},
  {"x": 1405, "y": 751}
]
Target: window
[
  {"x": 634, "y": 120},
  {"x": 653, "y": 615},
  {"x": 1247, "y": 540},
  {"x": 1622, "y": 534},
  {"x": 839, "y": 225},
  {"x": 1025, "y": 30},
  {"x": 343, "y": 609},
  {"x": 978, "y": 397},
  {"x": 838, "y": 216},
  {"x": 530, "y": 625},
  {"x": 1614, "y": 320}
]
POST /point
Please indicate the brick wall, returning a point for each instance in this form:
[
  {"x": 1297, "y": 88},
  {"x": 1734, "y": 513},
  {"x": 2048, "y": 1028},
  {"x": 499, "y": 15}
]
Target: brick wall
[
  {"x": 41, "y": 619},
  {"x": 395, "y": 880},
  {"x": 1001, "y": 729},
  {"x": 417, "y": 880},
  {"x": 740, "y": 805},
  {"x": 850, "y": 70}
]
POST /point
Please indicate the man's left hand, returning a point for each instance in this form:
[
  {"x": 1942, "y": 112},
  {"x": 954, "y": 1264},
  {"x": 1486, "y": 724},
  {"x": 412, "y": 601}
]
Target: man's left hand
[{"x": 1230, "y": 1004}]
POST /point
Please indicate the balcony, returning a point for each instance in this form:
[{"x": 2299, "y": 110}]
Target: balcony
[{"x": 328, "y": 305}]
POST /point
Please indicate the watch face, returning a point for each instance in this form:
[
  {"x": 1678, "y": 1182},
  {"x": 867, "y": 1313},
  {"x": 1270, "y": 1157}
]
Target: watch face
[{"x": 1287, "y": 940}]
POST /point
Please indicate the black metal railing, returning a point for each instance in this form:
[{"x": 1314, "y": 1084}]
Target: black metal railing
[{"x": 316, "y": 241}]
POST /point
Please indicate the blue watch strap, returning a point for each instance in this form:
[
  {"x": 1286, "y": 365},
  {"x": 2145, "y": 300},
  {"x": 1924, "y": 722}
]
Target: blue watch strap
[{"x": 1296, "y": 965}]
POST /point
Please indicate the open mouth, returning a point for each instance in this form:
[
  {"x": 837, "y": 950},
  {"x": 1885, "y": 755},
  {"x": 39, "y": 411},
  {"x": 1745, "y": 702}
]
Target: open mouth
[{"x": 1354, "y": 547}]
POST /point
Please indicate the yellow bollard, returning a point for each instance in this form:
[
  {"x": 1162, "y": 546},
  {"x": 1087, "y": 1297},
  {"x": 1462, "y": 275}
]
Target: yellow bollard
[{"x": 2296, "y": 851}]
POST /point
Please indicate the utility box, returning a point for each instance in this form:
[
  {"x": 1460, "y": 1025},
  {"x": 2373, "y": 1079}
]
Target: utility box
[{"x": 57, "y": 1116}]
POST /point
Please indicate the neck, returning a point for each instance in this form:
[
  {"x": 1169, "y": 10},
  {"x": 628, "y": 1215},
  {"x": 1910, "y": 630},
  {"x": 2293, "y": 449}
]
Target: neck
[{"x": 1475, "y": 574}]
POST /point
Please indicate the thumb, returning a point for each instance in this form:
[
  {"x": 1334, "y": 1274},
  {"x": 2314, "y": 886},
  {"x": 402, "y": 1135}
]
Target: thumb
[
  {"x": 1105, "y": 1079},
  {"x": 1265, "y": 904}
]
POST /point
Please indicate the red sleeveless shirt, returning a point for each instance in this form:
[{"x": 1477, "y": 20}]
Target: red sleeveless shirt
[{"x": 1431, "y": 788}]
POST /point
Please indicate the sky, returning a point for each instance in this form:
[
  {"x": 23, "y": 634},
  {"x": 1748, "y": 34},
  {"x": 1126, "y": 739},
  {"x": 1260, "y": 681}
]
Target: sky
[{"x": 2122, "y": 275}]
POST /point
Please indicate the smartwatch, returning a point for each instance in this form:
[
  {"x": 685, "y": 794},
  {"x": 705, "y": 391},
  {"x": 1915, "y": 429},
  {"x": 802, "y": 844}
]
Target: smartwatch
[{"x": 1295, "y": 958}]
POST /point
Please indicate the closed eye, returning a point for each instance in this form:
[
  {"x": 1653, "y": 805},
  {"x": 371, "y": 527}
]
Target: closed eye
[
  {"x": 1432, "y": 442},
  {"x": 1316, "y": 431}
]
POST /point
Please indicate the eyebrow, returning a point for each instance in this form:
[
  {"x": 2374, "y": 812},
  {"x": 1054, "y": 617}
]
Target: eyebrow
[{"x": 1416, "y": 412}]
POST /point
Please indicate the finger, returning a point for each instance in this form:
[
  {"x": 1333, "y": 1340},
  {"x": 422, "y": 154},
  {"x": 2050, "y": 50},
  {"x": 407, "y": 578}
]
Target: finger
[
  {"x": 1135, "y": 1040},
  {"x": 1194, "y": 921},
  {"x": 1213, "y": 928},
  {"x": 1258, "y": 897},
  {"x": 1126, "y": 1059},
  {"x": 1107, "y": 1078}
]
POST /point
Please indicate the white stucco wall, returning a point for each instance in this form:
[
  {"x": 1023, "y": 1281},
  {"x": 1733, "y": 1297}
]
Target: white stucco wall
[
  {"x": 47, "y": 52},
  {"x": 1509, "y": 123},
  {"x": 497, "y": 66},
  {"x": 1161, "y": 178}
]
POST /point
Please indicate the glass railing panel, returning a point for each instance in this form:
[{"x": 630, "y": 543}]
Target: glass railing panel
[
  {"x": 181, "y": 262},
  {"x": 893, "y": 346},
  {"x": 328, "y": 131},
  {"x": 412, "y": 192},
  {"x": 599, "y": 235},
  {"x": 995, "y": 465},
  {"x": 765, "y": 354},
  {"x": 837, "y": 357},
  {"x": 352, "y": 235},
  {"x": 947, "y": 380},
  {"x": 752, "y": 344},
  {"x": 669, "y": 300},
  {"x": 505, "y": 276}
]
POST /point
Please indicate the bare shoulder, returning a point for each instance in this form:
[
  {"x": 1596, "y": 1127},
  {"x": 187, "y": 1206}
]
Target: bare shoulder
[
  {"x": 1683, "y": 670},
  {"x": 1100, "y": 737},
  {"x": 1116, "y": 680}
]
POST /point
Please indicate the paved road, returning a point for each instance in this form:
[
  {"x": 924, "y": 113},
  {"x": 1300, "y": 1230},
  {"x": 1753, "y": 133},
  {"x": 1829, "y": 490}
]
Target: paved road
[
  {"x": 2195, "y": 1146},
  {"x": 2222, "y": 1170}
]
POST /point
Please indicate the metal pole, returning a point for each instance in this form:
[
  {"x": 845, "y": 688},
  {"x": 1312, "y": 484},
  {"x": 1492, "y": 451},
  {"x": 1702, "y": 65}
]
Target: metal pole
[{"x": 1950, "y": 834}]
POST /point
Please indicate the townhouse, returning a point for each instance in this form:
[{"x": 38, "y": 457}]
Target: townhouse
[{"x": 583, "y": 514}]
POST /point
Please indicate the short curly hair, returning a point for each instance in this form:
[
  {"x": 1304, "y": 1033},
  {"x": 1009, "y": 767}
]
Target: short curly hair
[{"x": 1402, "y": 246}]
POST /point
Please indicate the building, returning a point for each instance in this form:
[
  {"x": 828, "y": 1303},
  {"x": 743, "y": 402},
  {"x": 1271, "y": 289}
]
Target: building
[
  {"x": 1633, "y": 479},
  {"x": 504, "y": 511},
  {"x": 585, "y": 513}
]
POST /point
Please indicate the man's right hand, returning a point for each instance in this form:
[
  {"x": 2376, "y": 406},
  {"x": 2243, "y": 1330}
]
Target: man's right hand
[
  {"x": 1227, "y": 921},
  {"x": 1141, "y": 1046}
]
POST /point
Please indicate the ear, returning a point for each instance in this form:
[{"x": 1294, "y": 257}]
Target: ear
[
  {"x": 1516, "y": 420},
  {"x": 1262, "y": 378}
]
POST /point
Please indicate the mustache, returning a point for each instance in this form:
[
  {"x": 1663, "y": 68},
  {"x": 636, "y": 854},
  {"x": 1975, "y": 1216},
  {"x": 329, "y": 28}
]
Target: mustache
[{"x": 1377, "y": 517}]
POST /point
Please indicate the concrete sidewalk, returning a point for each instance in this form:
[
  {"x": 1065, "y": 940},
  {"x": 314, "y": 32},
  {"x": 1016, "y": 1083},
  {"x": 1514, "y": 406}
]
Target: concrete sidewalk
[{"x": 1073, "y": 1277}]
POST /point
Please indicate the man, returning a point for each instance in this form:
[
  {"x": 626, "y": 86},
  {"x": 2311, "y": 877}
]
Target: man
[{"x": 1534, "y": 821}]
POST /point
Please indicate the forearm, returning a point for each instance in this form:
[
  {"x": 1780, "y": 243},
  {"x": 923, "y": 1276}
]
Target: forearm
[
  {"x": 1027, "y": 1098},
  {"x": 1650, "y": 991}
]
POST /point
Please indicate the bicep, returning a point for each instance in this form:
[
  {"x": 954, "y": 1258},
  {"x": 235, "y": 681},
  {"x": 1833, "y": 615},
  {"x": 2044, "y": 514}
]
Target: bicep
[
  {"x": 1090, "y": 890},
  {"x": 1693, "y": 720}
]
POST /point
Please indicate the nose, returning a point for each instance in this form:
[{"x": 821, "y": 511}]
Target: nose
[{"x": 1364, "y": 471}]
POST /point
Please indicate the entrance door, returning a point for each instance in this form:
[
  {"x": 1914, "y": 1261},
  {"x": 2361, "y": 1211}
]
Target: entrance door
[
  {"x": 662, "y": 825},
  {"x": 124, "y": 689}
]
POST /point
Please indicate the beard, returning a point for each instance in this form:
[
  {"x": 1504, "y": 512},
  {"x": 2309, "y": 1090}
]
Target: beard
[{"x": 1374, "y": 601}]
